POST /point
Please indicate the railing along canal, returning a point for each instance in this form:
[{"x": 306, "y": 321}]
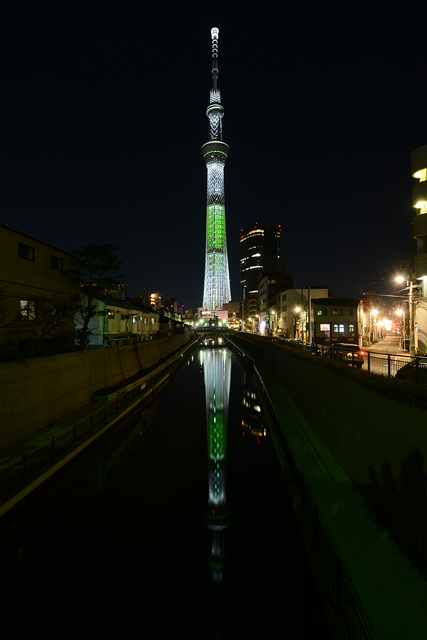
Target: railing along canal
[
  {"x": 28, "y": 466},
  {"x": 339, "y": 584},
  {"x": 386, "y": 364}
]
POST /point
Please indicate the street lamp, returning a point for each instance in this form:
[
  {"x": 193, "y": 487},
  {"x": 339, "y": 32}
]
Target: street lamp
[
  {"x": 410, "y": 284},
  {"x": 297, "y": 310},
  {"x": 373, "y": 334},
  {"x": 401, "y": 312},
  {"x": 273, "y": 313}
]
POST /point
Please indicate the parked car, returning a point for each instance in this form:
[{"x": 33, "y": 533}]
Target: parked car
[
  {"x": 348, "y": 353},
  {"x": 415, "y": 371}
]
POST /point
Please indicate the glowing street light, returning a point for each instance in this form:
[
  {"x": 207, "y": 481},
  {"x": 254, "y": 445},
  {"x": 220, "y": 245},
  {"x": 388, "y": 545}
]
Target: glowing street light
[
  {"x": 297, "y": 310},
  {"x": 372, "y": 332}
]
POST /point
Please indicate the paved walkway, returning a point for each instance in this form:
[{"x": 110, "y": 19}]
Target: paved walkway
[
  {"x": 17, "y": 450},
  {"x": 391, "y": 590}
]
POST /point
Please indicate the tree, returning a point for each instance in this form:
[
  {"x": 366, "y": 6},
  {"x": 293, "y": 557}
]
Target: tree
[
  {"x": 97, "y": 271},
  {"x": 45, "y": 322},
  {"x": 49, "y": 313}
]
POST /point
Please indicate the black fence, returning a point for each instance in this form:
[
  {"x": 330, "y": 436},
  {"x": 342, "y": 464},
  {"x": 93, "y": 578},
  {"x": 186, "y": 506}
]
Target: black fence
[
  {"x": 386, "y": 364},
  {"x": 344, "y": 598},
  {"x": 33, "y": 463}
]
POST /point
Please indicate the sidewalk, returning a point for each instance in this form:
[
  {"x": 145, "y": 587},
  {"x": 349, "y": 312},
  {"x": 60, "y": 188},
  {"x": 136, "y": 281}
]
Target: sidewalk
[{"x": 49, "y": 466}]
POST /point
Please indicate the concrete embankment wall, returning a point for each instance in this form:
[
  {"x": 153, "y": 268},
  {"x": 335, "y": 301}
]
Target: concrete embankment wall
[
  {"x": 38, "y": 392},
  {"x": 381, "y": 445}
]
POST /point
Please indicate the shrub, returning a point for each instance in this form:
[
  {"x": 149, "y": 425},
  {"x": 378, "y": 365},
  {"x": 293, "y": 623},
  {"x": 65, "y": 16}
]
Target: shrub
[{"x": 401, "y": 391}]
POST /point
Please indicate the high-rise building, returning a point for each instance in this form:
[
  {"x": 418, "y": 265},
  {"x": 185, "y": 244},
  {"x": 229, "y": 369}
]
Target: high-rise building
[
  {"x": 215, "y": 152},
  {"x": 259, "y": 256},
  {"x": 419, "y": 200}
]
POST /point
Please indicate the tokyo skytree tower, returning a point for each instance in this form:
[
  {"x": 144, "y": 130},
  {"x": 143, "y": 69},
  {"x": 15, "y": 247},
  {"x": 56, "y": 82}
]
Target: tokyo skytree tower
[{"x": 215, "y": 152}]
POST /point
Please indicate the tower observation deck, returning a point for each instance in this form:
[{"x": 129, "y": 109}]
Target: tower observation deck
[{"x": 217, "y": 280}]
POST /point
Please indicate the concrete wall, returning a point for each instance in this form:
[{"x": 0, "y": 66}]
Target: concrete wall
[
  {"x": 381, "y": 444},
  {"x": 40, "y": 391}
]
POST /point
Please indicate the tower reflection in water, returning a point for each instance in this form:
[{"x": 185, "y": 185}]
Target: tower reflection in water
[{"x": 216, "y": 363}]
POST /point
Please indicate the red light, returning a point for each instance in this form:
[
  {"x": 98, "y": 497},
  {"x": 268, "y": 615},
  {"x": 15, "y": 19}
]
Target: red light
[{"x": 361, "y": 353}]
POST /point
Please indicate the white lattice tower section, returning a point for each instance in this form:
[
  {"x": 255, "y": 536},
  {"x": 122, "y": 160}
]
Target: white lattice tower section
[{"x": 217, "y": 280}]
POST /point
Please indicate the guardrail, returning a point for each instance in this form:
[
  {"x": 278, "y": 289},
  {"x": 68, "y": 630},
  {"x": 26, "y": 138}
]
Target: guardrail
[
  {"x": 386, "y": 364},
  {"x": 33, "y": 463},
  {"x": 345, "y": 600}
]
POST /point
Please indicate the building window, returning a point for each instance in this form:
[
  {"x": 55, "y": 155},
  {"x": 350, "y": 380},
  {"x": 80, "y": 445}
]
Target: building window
[
  {"x": 145, "y": 320},
  {"x": 325, "y": 312},
  {"x": 324, "y": 327},
  {"x": 110, "y": 315},
  {"x": 319, "y": 312},
  {"x": 135, "y": 319},
  {"x": 27, "y": 309},
  {"x": 56, "y": 263},
  {"x": 335, "y": 328},
  {"x": 26, "y": 252},
  {"x": 335, "y": 312},
  {"x": 351, "y": 329},
  {"x": 341, "y": 328},
  {"x": 351, "y": 312},
  {"x": 341, "y": 312}
]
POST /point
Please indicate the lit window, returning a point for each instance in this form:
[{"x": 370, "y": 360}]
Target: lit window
[
  {"x": 25, "y": 251},
  {"x": 341, "y": 329},
  {"x": 319, "y": 312},
  {"x": 27, "y": 309},
  {"x": 335, "y": 312},
  {"x": 351, "y": 329},
  {"x": 335, "y": 328},
  {"x": 324, "y": 327}
]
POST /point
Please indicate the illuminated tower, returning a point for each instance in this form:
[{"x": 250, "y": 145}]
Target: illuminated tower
[{"x": 217, "y": 280}]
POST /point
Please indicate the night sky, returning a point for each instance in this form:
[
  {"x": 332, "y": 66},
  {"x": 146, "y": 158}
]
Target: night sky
[{"x": 104, "y": 119}]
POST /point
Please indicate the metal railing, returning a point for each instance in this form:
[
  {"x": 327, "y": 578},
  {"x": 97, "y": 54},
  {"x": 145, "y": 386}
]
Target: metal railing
[
  {"x": 345, "y": 600},
  {"x": 386, "y": 364},
  {"x": 33, "y": 463}
]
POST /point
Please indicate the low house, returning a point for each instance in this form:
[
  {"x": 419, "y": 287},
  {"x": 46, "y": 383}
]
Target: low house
[
  {"x": 119, "y": 322},
  {"x": 36, "y": 294},
  {"x": 292, "y": 310},
  {"x": 337, "y": 320}
]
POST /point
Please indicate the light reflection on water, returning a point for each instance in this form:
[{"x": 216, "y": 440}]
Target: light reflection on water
[{"x": 145, "y": 529}]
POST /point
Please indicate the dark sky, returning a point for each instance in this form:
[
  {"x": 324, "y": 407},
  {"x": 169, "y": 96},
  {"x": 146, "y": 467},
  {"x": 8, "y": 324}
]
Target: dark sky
[{"x": 104, "y": 119}]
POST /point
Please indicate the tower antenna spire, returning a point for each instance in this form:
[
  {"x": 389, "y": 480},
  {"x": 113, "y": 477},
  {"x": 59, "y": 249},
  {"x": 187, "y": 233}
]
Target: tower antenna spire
[{"x": 215, "y": 36}]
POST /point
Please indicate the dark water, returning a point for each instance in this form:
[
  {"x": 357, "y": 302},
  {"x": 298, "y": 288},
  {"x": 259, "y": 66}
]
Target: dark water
[{"x": 125, "y": 541}]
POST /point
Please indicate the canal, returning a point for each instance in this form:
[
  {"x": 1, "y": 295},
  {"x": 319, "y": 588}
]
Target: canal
[{"x": 175, "y": 523}]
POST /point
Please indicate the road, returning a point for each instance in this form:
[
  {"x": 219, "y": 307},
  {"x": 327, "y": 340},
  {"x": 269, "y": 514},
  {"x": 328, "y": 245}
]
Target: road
[{"x": 379, "y": 361}]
